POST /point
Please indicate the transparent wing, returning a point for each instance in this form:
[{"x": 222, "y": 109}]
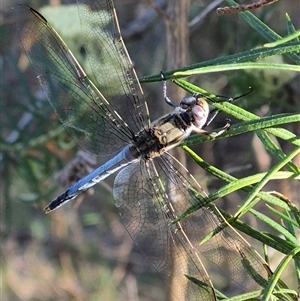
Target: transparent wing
[
  {"x": 150, "y": 196},
  {"x": 110, "y": 63},
  {"x": 86, "y": 113},
  {"x": 227, "y": 249},
  {"x": 144, "y": 209}
]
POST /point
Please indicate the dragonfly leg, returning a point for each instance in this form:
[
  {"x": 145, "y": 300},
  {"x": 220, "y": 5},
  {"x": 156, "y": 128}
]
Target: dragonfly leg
[
  {"x": 213, "y": 134},
  {"x": 166, "y": 98},
  {"x": 214, "y": 112},
  {"x": 212, "y": 115}
]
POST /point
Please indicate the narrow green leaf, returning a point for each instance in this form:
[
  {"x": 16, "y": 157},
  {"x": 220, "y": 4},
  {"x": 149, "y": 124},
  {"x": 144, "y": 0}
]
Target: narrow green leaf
[
  {"x": 284, "y": 217},
  {"x": 275, "y": 278},
  {"x": 250, "y": 202},
  {"x": 236, "y": 66},
  {"x": 234, "y": 183},
  {"x": 204, "y": 286},
  {"x": 285, "y": 135},
  {"x": 274, "y": 150},
  {"x": 297, "y": 217},
  {"x": 242, "y": 57},
  {"x": 286, "y": 39},
  {"x": 268, "y": 239},
  {"x": 254, "y": 295},
  {"x": 243, "y": 183},
  {"x": 275, "y": 226},
  {"x": 290, "y": 26}
]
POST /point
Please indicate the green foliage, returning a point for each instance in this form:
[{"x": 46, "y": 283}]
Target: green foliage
[{"x": 289, "y": 215}]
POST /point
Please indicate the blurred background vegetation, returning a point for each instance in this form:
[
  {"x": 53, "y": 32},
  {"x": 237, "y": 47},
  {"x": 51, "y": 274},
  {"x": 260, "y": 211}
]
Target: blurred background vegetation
[{"x": 82, "y": 251}]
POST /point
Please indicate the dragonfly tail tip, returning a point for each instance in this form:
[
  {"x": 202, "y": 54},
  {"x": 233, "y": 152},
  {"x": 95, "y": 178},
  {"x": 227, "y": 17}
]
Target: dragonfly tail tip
[{"x": 47, "y": 209}]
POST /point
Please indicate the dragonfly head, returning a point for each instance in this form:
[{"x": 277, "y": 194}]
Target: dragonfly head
[
  {"x": 199, "y": 109},
  {"x": 188, "y": 102}
]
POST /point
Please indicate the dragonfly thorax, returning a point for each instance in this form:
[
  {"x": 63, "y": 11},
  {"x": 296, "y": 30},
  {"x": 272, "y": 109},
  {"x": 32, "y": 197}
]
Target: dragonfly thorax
[
  {"x": 169, "y": 130},
  {"x": 164, "y": 134}
]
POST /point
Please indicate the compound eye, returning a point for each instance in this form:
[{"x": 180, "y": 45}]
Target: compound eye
[{"x": 188, "y": 102}]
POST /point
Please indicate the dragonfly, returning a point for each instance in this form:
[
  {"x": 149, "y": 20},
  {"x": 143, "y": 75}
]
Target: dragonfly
[{"x": 151, "y": 190}]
